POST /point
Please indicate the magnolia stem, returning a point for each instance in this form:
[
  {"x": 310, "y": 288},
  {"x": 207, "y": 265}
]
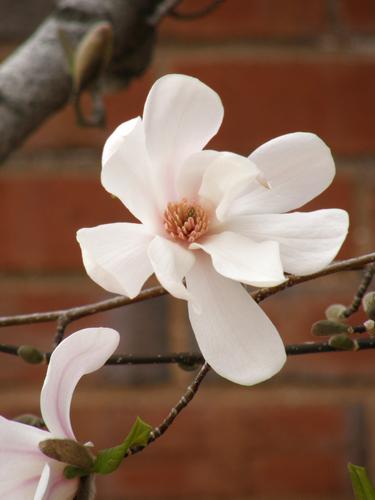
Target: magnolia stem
[{"x": 190, "y": 360}]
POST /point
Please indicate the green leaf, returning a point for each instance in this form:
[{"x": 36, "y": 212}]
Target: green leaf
[
  {"x": 362, "y": 486},
  {"x": 109, "y": 459}
]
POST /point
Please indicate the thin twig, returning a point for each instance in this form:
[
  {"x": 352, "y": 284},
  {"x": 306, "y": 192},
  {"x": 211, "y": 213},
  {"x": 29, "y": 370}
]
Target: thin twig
[
  {"x": 191, "y": 16},
  {"x": 185, "y": 399},
  {"x": 362, "y": 289},
  {"x": 157, "y": 291},
  {"x": 191, "y": 359}
]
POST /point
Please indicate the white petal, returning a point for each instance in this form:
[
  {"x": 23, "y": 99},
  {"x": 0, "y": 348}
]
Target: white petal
[
  {"x": 126, "y": 172},
  {"x": 241, "y": 259},
  {"x": 308, "y": 241},
  {"x": 115, "y": 256},
  {"x": 227, "y": 176},
  {"x": 82, "y": 352},
  {"x": 171, "y": 262},
  {"x": 235, "y": 336},
  {"x": 21, "y": 461},
  {"x": 181, "y": 115},
  {"x": 190, "y": 176},
  {"x": 53, "y": 485},
  {"x": 297, "y": 166}
]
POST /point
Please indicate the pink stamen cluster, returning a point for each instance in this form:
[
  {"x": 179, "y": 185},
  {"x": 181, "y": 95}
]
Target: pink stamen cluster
[{"x": 185, "y": 221}]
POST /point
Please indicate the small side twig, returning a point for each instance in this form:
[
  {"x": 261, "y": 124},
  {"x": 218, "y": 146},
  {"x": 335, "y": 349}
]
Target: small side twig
[
  {"x": 191, "y": 16},
  {"x": 362, "y": 289},
  {"x": 185, "y": 399},
  {"x": 62, "y": 323}
]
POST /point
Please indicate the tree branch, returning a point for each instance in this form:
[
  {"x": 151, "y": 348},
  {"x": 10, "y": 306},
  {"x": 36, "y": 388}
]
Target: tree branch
[
  {"x": 74, "y": 313},
  {"x": 35, "y": 80}
]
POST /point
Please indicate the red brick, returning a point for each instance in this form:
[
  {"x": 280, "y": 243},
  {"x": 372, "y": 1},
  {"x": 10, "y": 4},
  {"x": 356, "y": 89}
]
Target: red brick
[
  {"x": 244, "y": 19},
  {"x": 357, "y": 16},
  {"x": 264, "y": 99},
  {"x": 43, "y": 213}
]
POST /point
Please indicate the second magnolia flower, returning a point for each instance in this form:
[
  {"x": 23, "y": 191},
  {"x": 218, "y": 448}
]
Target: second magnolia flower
[{"x": 217, "y": 219}]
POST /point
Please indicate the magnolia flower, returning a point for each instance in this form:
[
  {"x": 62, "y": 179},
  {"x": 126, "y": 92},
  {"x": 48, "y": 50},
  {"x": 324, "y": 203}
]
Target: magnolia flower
[
  {"x": 215, "y": 219},
  {"x": 25, "y": 472}
]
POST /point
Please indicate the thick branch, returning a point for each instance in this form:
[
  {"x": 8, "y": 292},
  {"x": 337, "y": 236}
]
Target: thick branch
[{"x": 35, "y": 81}]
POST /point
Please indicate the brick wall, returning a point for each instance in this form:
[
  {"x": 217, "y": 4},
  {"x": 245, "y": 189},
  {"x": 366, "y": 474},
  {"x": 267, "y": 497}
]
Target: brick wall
[{"x": 279, "y": 67}]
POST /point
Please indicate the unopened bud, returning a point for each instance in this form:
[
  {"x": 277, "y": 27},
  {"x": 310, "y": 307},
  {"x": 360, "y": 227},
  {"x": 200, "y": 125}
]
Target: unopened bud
[
  {"x": 327, "y": 327},
  {"x": 343, "y": 342},
  {"x": 368, "y": 303},
  {"x": 92, "y": 55},
  {"x": 68, "y": 451},
  {"x": 30, "y": 354},
  {"x": 334, "y": 312},
  {"x": 29, "y": 419}
]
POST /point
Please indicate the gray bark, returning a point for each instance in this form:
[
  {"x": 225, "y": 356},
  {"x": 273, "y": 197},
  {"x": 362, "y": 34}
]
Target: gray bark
[{"x": 35, "y": 80}]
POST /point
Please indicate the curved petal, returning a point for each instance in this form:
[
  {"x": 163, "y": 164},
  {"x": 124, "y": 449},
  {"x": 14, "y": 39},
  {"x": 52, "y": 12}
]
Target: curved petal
[
  {"x": 226, "y": 177},
  {"x": 126, "y": 172},
  {"x": 235, "y": 336},
  {"x": 190, "y": 175},
  {"x": 21, "y": 461},
  {"x": 241, "y": 259},
  {"x": 308, "y": 241},
  {"x": 297, "y": 166},
  {"x": 181, "y": 115},
  {"x": 171, "y": 262},
  {"x": 115, "y": 256},
  {"x": 54, "y": 486},
  {"x": 82, "y": 352}
]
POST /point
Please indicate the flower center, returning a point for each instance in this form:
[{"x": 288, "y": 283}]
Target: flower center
[{"x": 185, "y": 221}]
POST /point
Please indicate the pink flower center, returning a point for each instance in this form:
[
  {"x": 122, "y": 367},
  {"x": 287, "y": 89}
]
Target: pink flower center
[{"x": 185, "y": 221}]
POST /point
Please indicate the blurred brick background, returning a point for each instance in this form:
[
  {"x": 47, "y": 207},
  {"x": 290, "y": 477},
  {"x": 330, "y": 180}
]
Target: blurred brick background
[{"x": 279, "y": 66}]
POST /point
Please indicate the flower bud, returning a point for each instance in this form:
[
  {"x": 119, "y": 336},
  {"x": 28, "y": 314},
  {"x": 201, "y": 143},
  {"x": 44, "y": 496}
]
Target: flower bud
[
  {"x": 68, "y": 451},
  {"x": 343, "y": 342},
  {"x": 92, "y": 55},
  {"x": 327, "y": 327},
  {"x": 334, "y": 312},
  {"x": 30, "y": 354},
  {"x": 368, "y": 303}
]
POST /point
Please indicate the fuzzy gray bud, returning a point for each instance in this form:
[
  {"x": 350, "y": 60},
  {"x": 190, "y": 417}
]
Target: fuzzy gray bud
[
  {"x": 68, "y": 451},
  {"x": 327, "y": 327}
]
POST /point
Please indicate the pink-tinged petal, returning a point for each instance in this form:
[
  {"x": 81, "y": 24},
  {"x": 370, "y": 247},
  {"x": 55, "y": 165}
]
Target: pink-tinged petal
[
  {"x": 53, "y": 485},
  {"x": 298, "y": 168},
  {"x": 242, "y": 259},
  {"x": 115, "y": 256},
  {"x": 21, "y": 461},
  {"x": 181, "y": 115},
  {"x": 126, "y": 172},
  {"x": 189, "y": 178},
  {"x": 171, "y": 262},
  {"x": 227, "y": 176},
  {"x": 79, "y": 354},
  {"x": 235, "y": 336},
  {"x": 308, "y": 241}
]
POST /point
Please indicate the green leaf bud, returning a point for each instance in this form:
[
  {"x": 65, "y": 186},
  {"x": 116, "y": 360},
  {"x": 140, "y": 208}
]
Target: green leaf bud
[
  {"x": 334, "y": 312},
  {"x": 327, "y": 327},
  {"x": 343, "y": 342},
  {"x": 29, "y": 419},
  {"x": 30, "y": 354}
]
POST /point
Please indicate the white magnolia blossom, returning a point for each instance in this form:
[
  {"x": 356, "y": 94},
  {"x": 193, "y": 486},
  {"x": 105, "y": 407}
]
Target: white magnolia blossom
[
  {"x": 25, "y": 472},
  {"x": 216, "y": 219}
]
